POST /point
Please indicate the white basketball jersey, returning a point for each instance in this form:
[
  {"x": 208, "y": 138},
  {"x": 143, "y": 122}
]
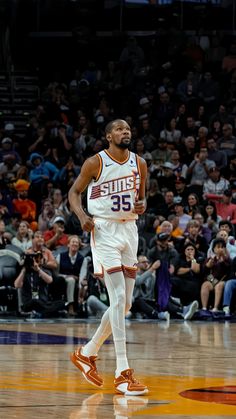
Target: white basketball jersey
[{"x": 116, "y": 188}]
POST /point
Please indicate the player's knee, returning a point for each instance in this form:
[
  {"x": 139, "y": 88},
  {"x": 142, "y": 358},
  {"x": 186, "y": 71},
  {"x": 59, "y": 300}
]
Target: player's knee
[{"x": 120, "y": 299}]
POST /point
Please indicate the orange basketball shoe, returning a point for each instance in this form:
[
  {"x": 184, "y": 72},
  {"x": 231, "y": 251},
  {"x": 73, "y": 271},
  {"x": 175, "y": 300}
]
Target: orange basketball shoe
[
  {"x": 87, "y": 366},
  {"x": 126, "y": 384}
]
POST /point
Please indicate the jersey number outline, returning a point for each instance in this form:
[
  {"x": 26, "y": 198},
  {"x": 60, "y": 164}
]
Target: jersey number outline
[{"x": 121, "y": 202}]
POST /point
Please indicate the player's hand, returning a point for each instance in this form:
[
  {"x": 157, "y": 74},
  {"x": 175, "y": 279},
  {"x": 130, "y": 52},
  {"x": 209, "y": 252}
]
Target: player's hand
[
  {"x": 87, "y": 223},
  {"x": 139, "y": 207}
]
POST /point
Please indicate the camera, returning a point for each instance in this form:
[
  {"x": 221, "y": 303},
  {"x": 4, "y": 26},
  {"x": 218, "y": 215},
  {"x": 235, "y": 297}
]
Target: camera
[{"x": 31, "y": 258}]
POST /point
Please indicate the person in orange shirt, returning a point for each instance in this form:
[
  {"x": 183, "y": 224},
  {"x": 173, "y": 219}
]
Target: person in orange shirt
[
  {"x": 55, "y": 237},
  {"x": 23, "y": 205}
]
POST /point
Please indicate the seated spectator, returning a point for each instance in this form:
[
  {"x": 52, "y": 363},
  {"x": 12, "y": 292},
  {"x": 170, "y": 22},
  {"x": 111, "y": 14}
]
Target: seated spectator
[
  {"x": 205, "y": 231},
  {"x": 193, "y": 235},
  {"x": 40, "y": 173},
  {"x": 7, "y": 149},
  {"x": 23, "y": 205},
  {"x": 13, "y": 224},
  {"x": 219, "y": 157},
  {"x": 161, "y": 251},
  {"x": 46, "y": 215},
  {"x": 186, "y": 283},
  {"x": 154, "y": 198},
  {"x": 225, "y": 209},
  {"x": 149, "y": 290},
  {"x": 166, "y": 177},
  {"x": 229, "y": 228},
  {"x": 231, "y": 248},
  {"x": 68, "y": 174},
  {"x": 55, "y": 236},
  {"x": 215, "y": 185},
  {"x": 180, "y": 213},
  {"x": 59, "y": 204},
  {"x": 144, "y": 301},
  {"x": 73, "y": 267},
  {"x": 97, "y": 299},
  {"x": 211, "y": 219},
  {"x": 229, "y": 290},
  {"x": 176, "y": 233},
  {"x": 193, "y": 204},
  {"x": 161, "y": 154},
  {"x": 23, "y": 238},
  {"x": 181, "y": 189},
  {"x": 168, "y": 206},
  {"x": 4, "y": 236},
  {"x": 9, "y": 169},
  {"x": 188, "y": 150},
  {"x": 171, "y": 134},
  {"x": 202, "y": 137},
  {"x": 6, "y": 207},
  {"x": 216, "y": 271},
  {"x": 179, "y": 168},
  {"x": 227, "y": 143},
  {"x": 198, "y": 170},
  {"x": 62, "y": 146}
]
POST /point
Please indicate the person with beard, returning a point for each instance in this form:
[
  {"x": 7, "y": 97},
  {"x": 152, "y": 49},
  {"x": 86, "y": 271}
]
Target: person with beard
[
  {"x": 23, "y": 205},
  {"x": 116, "y": 180}
]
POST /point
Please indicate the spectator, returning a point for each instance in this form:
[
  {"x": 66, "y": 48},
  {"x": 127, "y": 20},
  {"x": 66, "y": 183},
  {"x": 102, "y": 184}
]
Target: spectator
[
  {"x": 9, "y": 169},
  {"x": 73, "y": 267},
  {"x": 40, "y": 174},
  {"x": 7, "y": 149},
  {"x": 13, "y": 224},
  {"x": 180, "y": 213},
  {"x": 186, "y": 283},
  {"x": 144, "y": 301},
  {"x": 24, "y": 235},
  {"x": 180, "y": 169},
  {"x": 216, "y": 272},
  {"x": 229, "y": 290},
  {"x": 26, "y": 207},
  {"x": 161, "y": 154},
  {"x": 34, "y": 280},
  {"x": 4, "y": 236},
  {"x": 215, "y": 186},
  {"x": 193, "y": 235},
  {"x": 227, "y": 142},
  {"x": 219, "y": 157},
  {"x": 211, "y": 219},
  {"x": 46, "y": 215},
  {"x": 59, "y": 204},
  {"x": 55, "y": 237},
  {"x": 198, "y": 170},
  {"x": 225, "y": 209},
  {"x": 193, "y": 204}
]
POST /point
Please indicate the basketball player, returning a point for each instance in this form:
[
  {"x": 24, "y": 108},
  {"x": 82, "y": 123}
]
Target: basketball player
[{"x": 116, "y": 181}]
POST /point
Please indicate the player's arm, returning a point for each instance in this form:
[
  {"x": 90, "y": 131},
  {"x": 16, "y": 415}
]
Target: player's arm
[
  {"x": 140, "y": 205},
  {"x": 89, "y": 171}
]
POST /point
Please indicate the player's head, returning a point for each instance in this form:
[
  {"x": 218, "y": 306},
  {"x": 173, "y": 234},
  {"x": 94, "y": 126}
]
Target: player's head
[{"x": 118, "y": 133}]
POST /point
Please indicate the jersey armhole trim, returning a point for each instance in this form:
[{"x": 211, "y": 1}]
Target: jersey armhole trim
[
  {"x": 100, "y": 168},
  {"x": 138, "y": 165}
]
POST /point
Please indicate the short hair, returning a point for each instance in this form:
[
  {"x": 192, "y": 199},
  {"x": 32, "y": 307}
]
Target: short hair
[
  {"x": 193, "y": 223},
  {"x": 218, "y": 241},
  {"x": 110, "y": 125}
]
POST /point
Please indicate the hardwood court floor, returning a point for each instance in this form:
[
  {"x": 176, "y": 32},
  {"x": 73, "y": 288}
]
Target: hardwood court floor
[{"x": 189, "y": 367}]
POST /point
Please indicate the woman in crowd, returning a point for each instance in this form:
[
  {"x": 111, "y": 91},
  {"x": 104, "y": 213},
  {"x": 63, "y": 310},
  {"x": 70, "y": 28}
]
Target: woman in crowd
[
  {"x": 187, "y": 282},
  {"x": 216, "y": 272},
  {"x": 23, "y": 237}
]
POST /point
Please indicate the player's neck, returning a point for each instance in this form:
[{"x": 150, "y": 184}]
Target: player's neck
[{"x": 118, "y": 153}]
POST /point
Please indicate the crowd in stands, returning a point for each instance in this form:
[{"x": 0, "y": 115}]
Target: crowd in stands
[{"x": 182, "y": 114}]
